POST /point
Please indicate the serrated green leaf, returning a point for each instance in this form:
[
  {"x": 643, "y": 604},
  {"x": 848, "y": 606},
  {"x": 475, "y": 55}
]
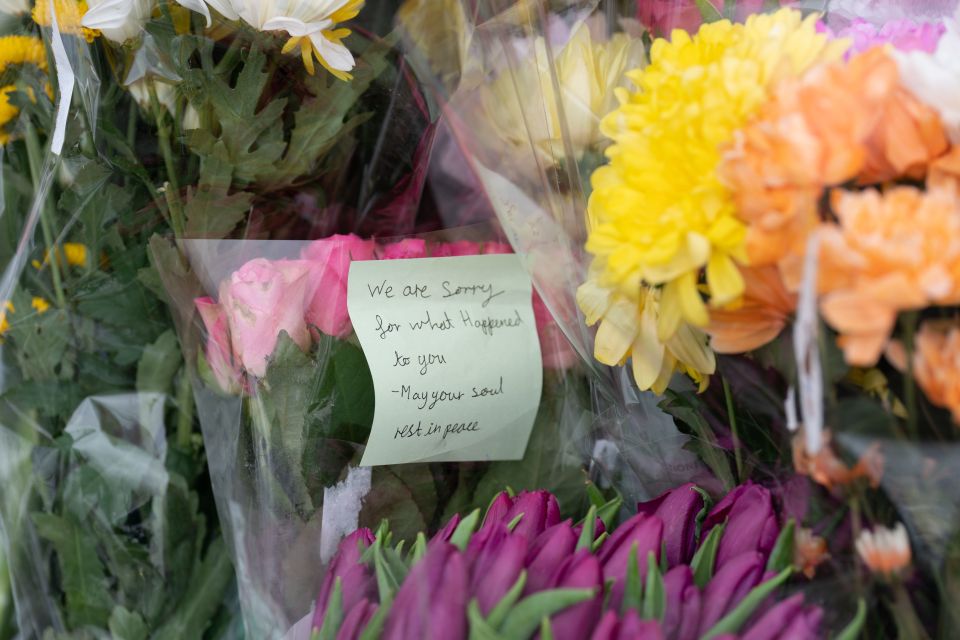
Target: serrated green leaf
[
  {"x": 464, "y": 531},
  {"x": 782, "y": 555},
  {"x": 525, "y": 617},
  {"x": 706, "y": 556},
  {"x": 159, "y": 363},
  {"x": 654, "y": 593},
  {"x": 732, "y": 622},
  {"x": 127, "y": 625},
  {"x": 500, "y": 610},
  {"x": 212, "y": 211}
]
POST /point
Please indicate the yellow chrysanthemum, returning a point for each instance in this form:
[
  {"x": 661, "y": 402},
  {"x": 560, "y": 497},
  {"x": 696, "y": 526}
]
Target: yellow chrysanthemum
[
  {"x": 19, "y": 50},
  {"x": 40, "y": 305},
  {"x": 69, "y": 15},
  {"x": 8, "y": 112},
  {"x": 74, "y": 253},
  {"x": 659, "y": 213},
  {"x": 4, "y": 322}
]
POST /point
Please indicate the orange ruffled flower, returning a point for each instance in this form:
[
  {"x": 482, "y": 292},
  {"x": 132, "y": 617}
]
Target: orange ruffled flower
[
  {"x": 757, "y": 318},
  {"x": 833, "y": 124},
  {"x": 809, "y": 551},
  {"x": 827, "y": 470},
  {"x": 889, "y": 252},
  {"x": 936, "y": 363}
]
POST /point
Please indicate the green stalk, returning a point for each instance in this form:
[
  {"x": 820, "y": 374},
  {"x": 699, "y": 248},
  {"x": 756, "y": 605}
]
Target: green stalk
[
  {"x": 185, "y": 414},
  {"x": 35, "y": 155},
  {"x": 172, "y": 190},
  {"x": 732, "y": 417}
]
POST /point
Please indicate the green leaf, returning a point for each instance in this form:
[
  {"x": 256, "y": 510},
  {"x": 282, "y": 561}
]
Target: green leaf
[
  {"x": 852, "y": 631},
  {"x": 387, "y": 580},
  {"x": 599, "y": 541},
  {"x": 207, "y": 585},
  {"x": 126, "y": 625},
  {"x": 500, "y": 610},
  {"x": 525, "y": 618},
  {"x": 211, "y": 210},
  {"x": 418, "y": 550},
  {"x": 655, "y": 593},
  {"x": 84, "y": 582},
  {"x": 685, "y": 406},
  {"x": 374, "y": 628},
  {"x": 609, "y": 511},
  {"x": 546, "y": 632},
  {"x": 586, "y": 533},
  {"x": 464, "y": 531},
  {"x": 706, "y": 556},
  {"x": 633, "y": 588},
  {"x": 333, "y": 616},
  {"x": 708, "y": 12},
  {"x": 159, "y": 363},
  {"x": 480, "y": 629},
  {"x": 782, "y": 555},
  {"x": 732, "y": 622}
]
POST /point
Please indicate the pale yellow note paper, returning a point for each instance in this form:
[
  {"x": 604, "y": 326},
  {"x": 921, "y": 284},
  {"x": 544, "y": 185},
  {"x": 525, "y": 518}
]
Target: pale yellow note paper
[{"x": 453, "y": 350}]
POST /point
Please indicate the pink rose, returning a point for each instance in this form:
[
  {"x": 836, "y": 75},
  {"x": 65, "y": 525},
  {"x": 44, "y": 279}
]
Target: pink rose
[
  {"x": 459, "y": 248},
  {"x": 555, "y": 350},
  {"x": 261, "y": 299},
  {"x": 404, "y": 250},
  {"x": 331, "y": 258},
  {"x": 218, "y": 352}
]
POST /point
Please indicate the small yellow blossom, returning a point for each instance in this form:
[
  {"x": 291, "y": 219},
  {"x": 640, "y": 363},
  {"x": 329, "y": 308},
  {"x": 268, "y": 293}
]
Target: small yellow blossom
[
  {"x": 74, "y": 253},
  {"x": 40, "y": 305},
  {"x": 8, "y": 112},
  {"x": 4, "y": 322},
  {"x": 69, "y": 16},
  {"x": 659, "y": 214},
  {"x": 19, "y": 50}
]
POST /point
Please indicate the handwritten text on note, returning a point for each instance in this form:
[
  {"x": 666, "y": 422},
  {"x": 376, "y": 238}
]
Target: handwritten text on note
[{"x": 452, "y": 346}]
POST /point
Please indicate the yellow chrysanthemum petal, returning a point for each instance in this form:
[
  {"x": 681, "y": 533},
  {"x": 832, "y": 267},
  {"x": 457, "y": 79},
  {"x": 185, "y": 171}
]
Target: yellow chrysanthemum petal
[
  {"x": 69, "y": 14},
  {"x": 40, "y": 305},
  {"x": 18, "y": 50}
]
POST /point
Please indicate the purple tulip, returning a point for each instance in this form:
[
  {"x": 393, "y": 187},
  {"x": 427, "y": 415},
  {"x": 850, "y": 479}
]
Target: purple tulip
[
  {"x": 356, "y": 579},
  {"x": 787, "y": 620},
  {"x": 678, "y": 508},
  {"x": 729, "y": 586},
  {"x": 432, "y": 601},
  {"x": 630, "y": 627},
  {"x": 644, "y": 532},
  {"x": 540, "y": 511},
  {"x": 496, "y": 566},
  {"x": 497, "y": 511},
  {"x": 550, "y": 548},
  {"x": 356, "y": 620},
  {"x": 448, "y": 529},
  {"x": 682, "y": 615},
  {"x": 579, "y": 571},
  {"x": 751, "y": 523}
]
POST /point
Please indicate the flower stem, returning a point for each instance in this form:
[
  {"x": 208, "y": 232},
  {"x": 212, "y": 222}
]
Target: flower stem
[
  {"x": 732, "y": 417},
  {"x": 34, "y": 155},
  {"x": 172, "y": 191},
  {"x": 185, "y": 415},
  {"x": 905, "y": 615}
]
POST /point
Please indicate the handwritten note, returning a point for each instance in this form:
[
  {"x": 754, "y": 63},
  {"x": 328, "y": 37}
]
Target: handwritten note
[{"x": 453, "y": 350}]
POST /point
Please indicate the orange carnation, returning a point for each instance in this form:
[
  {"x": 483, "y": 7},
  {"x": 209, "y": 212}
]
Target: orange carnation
[
  {"x": 936, "y": 363},
  {"x": 889, "y": 252},
  {"x": 757, "y": 318}
]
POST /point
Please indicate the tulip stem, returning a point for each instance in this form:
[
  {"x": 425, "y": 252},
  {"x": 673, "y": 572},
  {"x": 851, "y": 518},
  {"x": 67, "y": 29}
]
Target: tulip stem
[{"x": 732, "y": 417}]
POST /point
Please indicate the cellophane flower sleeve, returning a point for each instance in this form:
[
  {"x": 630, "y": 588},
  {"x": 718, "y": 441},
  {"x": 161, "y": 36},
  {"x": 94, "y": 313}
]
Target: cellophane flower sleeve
[{"x": 712, "y": 188}]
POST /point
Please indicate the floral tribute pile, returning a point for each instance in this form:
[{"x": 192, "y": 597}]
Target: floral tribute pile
[{"x": 677, "y": 570}]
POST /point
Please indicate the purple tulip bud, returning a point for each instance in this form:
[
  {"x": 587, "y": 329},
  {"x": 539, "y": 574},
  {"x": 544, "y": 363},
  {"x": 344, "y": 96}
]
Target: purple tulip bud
[
  {"x": 751, "y": 523},
  {"x": 682, "y": 616},
  {"x": 432, "y": 601},
  {"x": 540, "y": 511},
  {"x": 630, "y": 627},
  {"x": 598, "y": 529},
  {"x": 356, "y": 620},
  {"x": 787, "y": 620},
  {"x": 496, "y": 567},
  {"x": 578, "y": 571},
  {"x": 641, "y": 531},
  {"x": 497, "y": 511},
  {"x": 678, "y": 508},
  {"x": 356, "y": 579},
  {"x": 446, "y": 532},
  {"x": 550, "y": 548},
  {"x": 729, "y": 586}
]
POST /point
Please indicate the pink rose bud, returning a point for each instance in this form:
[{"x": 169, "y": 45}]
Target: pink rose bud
[
  {"x": 218, "y": 352},
  {"x": 331, "y": 258},
  {"x": 404, "y": 250},
  {"x": 261, "y": 299}
]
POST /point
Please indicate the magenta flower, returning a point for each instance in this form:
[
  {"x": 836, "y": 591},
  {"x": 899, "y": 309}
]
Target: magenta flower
[
  {"x": 788, "y": 619},
  {"x": 682, "y": 616},
  {"x": 261, "y": 299},
  {"x": 579, "y": 571},
  {"x": 539, "y": 509},
  {"x": 729, "y": 586},
  {"x": 404, "y": 250},
  {"x": 630, "y": 627},
  {"x": 218, "y": 352},
  {"x": 641, "y": 531},
  {"x": 357, "y": 583},
  {"x": 356, "y": 620},
  {"x": 432, "y": 601},
  {"x": 331, "y": 258},
  {"x": 546, "y": 553},
  {"x": 458, "y": 248},
  {"x": 446, "y": 532},
  {"x": 751, "y": 523},
  {"x": 678, "y": 509},
  {"x": 495, "y": 566}
]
